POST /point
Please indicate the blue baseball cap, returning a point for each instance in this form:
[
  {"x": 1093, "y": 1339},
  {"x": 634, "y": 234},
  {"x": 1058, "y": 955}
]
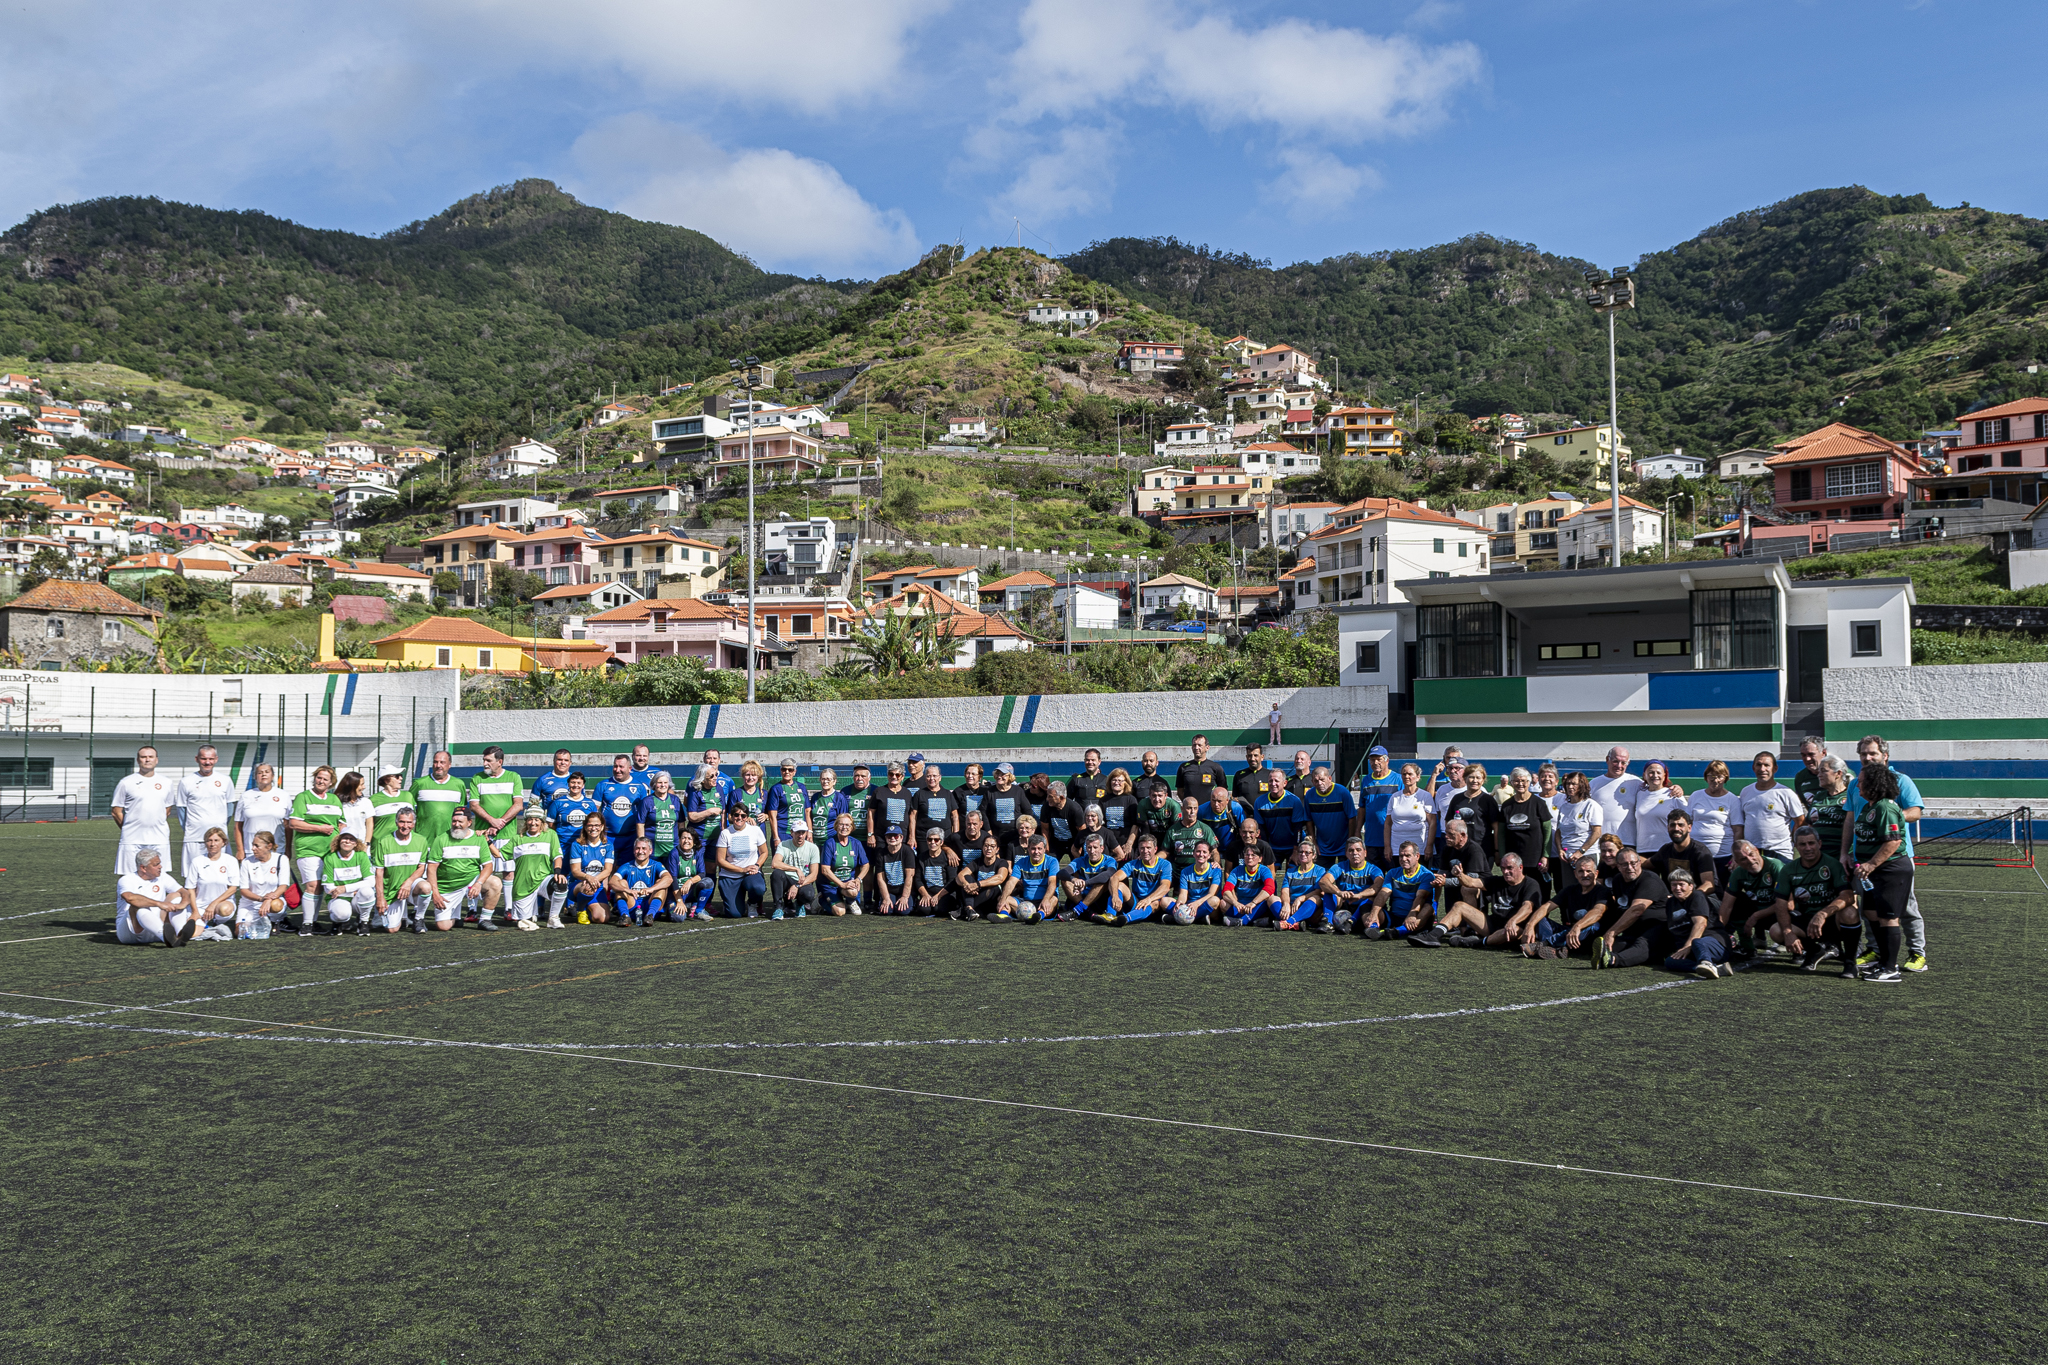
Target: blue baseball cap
[
  {"x": 1378, "y": 751},
  {"x": 917, "y": 758},
  {"x": 893, "y": 829}
]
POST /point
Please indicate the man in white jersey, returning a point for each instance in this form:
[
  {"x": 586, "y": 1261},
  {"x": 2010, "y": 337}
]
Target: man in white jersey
[
  {"x": 142, "y": 808},
  {"x": 206, "y": 800},
  {"x": 149, "y": 906},
  {"x": 261, "y": 809},
  {"x": 1616, "y": 790}
]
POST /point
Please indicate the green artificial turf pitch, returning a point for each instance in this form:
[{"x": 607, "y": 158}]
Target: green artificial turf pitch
[{"x": 369, "y": 1198}]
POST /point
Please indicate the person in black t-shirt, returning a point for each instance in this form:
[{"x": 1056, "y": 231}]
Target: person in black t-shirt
[
  {"x": 1681, "y": 851},
  {"x": 1059, "y": 822},
  {"x": 1585, "y": 905},
  {"x": 966, "y": 845},
  {"x": 1119, "y": 817},
  {"x": 1477, "y": 808},
  {"x": 1148, "y": 778},
  {"x": 1196, "y": 776},
  {"x": 1512, "y": 903},
  {"x": 936, "y": 872},
  {"x": 1525, "y": 820},
  {"x": 1250, "y": 783},
  {"x": 1639, "y": 930},
  {"x": 1248, "y": 832},
  {"x": 1699, "y": 941},
  {"x": 1462, "y": 865},
  {"x": 1004, "y": 803},
  {"x": 1091, "y": 784}
]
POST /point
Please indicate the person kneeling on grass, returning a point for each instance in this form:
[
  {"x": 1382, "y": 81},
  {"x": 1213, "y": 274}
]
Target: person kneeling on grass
[
  {"x": 587, "y": 869},
  {"x": 398, "y": 858},
  {"x": 1703, "y": 950},
  {"x": 1640, "y": 932},
  {"x": 261, "y": 896},
  {"x": 793, "y": 879},
  {"x": 1304, "y": 887},
  {"x": 739, "y": 855},
  {"x": 1812, "y": 888},
  {"x": 462, "y": 875},
  {"x": 216, "y": 881},
  {"x": 894, "y": 883},
  {"x": 534, "y": 853},
  {"x": 843, "y": 871},
  {"x": 1144, "y": 886},
  {"x": 1088, "y": 882},
  {"x": 1751, "y": 898},
  {"x": 150, "y": 906},
  {"x": 935, "y": 870},
  {"x": 1583, "y": 905},
  {"x": 1355, "y": 883},
  {"x": 639, "y": 888},
  {"x": 691, "y": 898},
  {"x": 1201, "y": 890},
  {"x": 982, "y": 881},
  {"x": 350, "y": 885},
  {"x": 1405, "y": 905},
  {"x": 1033, "y": 891},
  {"x": 1248, "y": 890}
]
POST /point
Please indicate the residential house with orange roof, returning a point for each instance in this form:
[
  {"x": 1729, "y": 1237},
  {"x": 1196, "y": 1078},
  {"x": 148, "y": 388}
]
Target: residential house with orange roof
[
  {"x": 977, "y": 632},
  {"x": 454, "y": 642},
  {"x": 652, "y": 499},
  {"x": 1284, "y": 364},
  {"x": 1833, "y": 480},
  {"x": 1150, "y": 357},
  {"x": 660, "y": 563},
  {"x": 1586, "y": 537},
  {"x": 778, "y": 454},
  {"x": 2001, "y": 458},
  {"x": 1223, "y": 502},
  {"x": 469, "y": 552},
  {"x": 615, "y": 412},
  {"x": 962, "y": 583},
  {"x": 138, "y": 569},
  {"x": 62, "y": 421},
  {"x": 59, "y": 622},
  {"x": 1278, "y": 460},
  {"x": 562, "y": 555},
  {"x": 583, "y": 599},
  {"x": 1157, "y": 487},
  {"x": 682, "y": 626},
  {"x": 1371, "y": 544},
  {"x": 1011, "y": 593},
  {"x": 399, "y": 580},
  {"x": 17, "y": 550},
  {"x": 1290, "y": 523},
  {"x": 1527, "y": 532}
]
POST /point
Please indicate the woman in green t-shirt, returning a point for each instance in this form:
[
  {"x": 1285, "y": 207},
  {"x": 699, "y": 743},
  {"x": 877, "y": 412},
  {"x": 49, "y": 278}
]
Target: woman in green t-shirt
[
  {"x": 349, "y": 883},
  {"x": 1884, "y": 872}
]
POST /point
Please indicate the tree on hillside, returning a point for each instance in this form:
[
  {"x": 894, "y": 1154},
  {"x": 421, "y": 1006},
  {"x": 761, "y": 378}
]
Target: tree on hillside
[{"x": 899, "y": 643}]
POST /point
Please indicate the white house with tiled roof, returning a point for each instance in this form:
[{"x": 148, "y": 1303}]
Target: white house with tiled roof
[{"x": 1372, "y": 544}]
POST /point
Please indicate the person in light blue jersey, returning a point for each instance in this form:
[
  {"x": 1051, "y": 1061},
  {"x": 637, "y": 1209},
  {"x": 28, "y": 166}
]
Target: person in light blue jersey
[
  {"x": 553, "y": 782},
  {"x": 638, "y": 888},
  {"x": 1407, "y": 900},
  {"x": 568, "y": 809},
  {"x": 1354, "y": 885},
  {"x": 617, "y": 798},
  {"x": 1248, "y": 891},
  {"x": 1201, "y": 890},
  {"x": 1381, "y": 783},
  {"x": 1303, "y": 888},
  {"x": 1144, "y": 886},
  {"x": 1032, "y": 893}
]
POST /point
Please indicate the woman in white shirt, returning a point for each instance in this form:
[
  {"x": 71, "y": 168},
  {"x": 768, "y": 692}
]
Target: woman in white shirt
[
  {"x": 214, "y": 878},
  {"x": 265, "y": 875},
  {"x": 1654, "y": 802},
  {"x": 262, "y": 809},
  {"x": 358, "y": 810},
  {"x": 1715, "y": 812},
  {"x": 1411, "y": 814},
  {"x": 1577, "y": 826}
]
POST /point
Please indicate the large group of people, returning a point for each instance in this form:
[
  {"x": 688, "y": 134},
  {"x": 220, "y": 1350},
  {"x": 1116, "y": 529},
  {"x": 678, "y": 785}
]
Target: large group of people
[{"x": 1616, "y": 868}]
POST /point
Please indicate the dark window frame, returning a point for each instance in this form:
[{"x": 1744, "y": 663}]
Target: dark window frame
[{"x": 1734, "y": 628}]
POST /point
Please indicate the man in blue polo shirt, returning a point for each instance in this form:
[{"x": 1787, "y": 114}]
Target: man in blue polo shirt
[{"x": 1379, "y": 786}]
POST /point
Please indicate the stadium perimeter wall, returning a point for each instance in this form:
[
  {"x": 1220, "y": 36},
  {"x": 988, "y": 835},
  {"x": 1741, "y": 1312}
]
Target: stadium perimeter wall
[
  {"x": 1973, "y": 732},
  {"x": 1030, "y": 731}
]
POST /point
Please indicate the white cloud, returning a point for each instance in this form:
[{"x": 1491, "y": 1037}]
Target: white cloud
[
  {"x": 1075, "y": 173},
  {"x": 811, "y": 55},
  {"x": 1300, "y": 78},
  {"x": 784, "y": 210},
  {"x": 1316, "y": 181}
]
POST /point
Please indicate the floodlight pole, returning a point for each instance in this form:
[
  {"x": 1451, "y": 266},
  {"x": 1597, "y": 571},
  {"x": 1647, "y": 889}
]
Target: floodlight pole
[{"x": 1610, "y": 294}]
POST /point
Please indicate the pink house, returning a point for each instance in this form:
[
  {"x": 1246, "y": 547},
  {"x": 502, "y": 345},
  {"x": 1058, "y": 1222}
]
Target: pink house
[
  {"x": 1837, "y": 480},
  {"x": 2003, "y": 456},
  {"x": 778, "y": 452},
  {"x": 681, "y": 625}
]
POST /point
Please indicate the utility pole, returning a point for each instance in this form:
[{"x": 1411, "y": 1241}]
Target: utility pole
[{"x": 753, "y": 620}]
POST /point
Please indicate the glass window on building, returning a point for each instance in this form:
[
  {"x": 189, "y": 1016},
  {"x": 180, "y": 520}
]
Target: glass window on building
[{"x": 1735, "y": 628}]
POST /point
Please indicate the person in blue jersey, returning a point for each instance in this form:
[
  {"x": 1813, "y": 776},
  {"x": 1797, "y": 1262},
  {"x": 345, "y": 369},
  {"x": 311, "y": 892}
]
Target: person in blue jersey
[
  {"x": 787, "y": 799},
  {"x": 1407, "y": 900},
  {"x": 1088, "y": 881},
  {"x": 691, "y": 898},
  {"x": 639, "y": 887},
  {"x": 935, "y": 871},
  {"x": 1005, "y": 802},
  {"x": 895, "y": 881},
  {"x": 1279, "y": 812},
  {"x": 1248, "y": 891},
  {"x": 659, "y": 816},
  {"x": 587, "y": 863},
  {"x": 1201, "y": 890},
  {"x": 617, "y": 796},
  {"x": 1354, "y": 885},
  {"x": 1380, "y": 784},
  {"x": 569, "y": 807},
  {"x": 712, "y": 760},
  {"x": 553, "y": 782},
  {"x": 1303, "y": 886},
  {"x": 704, "y": 804},
  {"x": 982, "y": 881},
  {"x": 1332, "y": 814},
  {"x": 827, "y": 803},
  {"x": 843, "y": 869},
  {"x": 1144, "y": 886},
  {"x": 1226, "y": 817},
  {"x": 644, "y": 767},
  {"x": 1032, "y": 892}
]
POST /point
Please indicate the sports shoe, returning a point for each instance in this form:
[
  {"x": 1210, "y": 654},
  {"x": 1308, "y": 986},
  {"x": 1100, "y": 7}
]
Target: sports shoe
[
  {"x": 1464, "y": 940},
  {"x": 1867, "y": 958},
  {"x": 1119, "y": 919},
  {"x": 1814, "y": 957},
  {"x": 777, "y": 914},
  {"x": 305, "y": 931},
  {"x": 1852, "y": 972},
  {"x": 998, "y": 915},
  {"x": 1373, "y": 931},
  {"x": 1323, "y": 927},
  {"x": 1915, "y": 962},
  {"x": 529, "y": 926},
  {"x": 1708, "y": 971},
  {"x": 184, "y": 935},
  {"x": 554, "y": 922},
  {"x": 1884, "y": 976},
  {"x": 1427, "y": 938},
  {"x": 1546, "y": 952},
  {"x": 489, "y": 926},
  {"x": 1600, "y": 956},
  {"x": 583, "y": 917},
  {"x": 1727, "y": 970}
]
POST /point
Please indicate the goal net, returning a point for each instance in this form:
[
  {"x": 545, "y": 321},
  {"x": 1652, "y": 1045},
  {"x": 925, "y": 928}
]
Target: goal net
[{"x": 2005, "y": 840}]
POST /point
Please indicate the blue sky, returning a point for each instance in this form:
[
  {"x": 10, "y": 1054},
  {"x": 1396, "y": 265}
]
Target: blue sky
[{"x": 842, "y": 138}]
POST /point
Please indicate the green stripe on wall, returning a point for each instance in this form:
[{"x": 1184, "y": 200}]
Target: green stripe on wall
[
  {"x": 690, "y": 729},
  {"x": 1003, "y": 720},
  {"x": 1621, "y": 730},
  {"x": 1982, "y": 786},
  {"x": 1472, "y": 696},
  {"x": 1849, "y": 731},
  {"x": 327, "y": 700},
  {"x": 1172, "y": 744}
]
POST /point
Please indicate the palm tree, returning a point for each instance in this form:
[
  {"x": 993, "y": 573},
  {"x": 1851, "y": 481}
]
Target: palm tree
[{"x": 895, "y": 642}]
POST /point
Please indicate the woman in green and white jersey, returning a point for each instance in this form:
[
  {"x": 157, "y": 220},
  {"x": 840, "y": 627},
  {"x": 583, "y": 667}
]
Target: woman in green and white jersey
[
  {"x": 390, "y": 798},
  {"x": 1829, "y": 812},
  {"x": 533, "y": 852},
  {"x": 315, "y": 819},
  {"x": 349, "y": 884}
]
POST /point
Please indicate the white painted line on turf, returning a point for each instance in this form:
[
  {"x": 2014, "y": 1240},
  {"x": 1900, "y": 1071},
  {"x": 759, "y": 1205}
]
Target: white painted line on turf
[
  {"x": 1124, "y": 1118},
  {"x": 58, "y": 910},
  {"x": 408, "y": 971},
  {"x": 10, "y": 942}
]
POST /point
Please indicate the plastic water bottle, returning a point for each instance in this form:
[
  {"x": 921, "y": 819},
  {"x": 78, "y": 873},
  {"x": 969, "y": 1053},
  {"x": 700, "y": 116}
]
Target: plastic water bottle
[
  {"x": 1864, "y": 883},
  {"x": 257, "y": 927}
]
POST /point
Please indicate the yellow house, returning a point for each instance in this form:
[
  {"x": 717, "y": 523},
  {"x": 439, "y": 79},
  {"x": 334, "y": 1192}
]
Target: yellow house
[
  {"x": 1581, "y": 443},
  {"x": 450, "y": 642}
]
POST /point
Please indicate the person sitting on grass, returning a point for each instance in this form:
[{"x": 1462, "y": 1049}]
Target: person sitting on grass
[
  {"x": 793, "y": 881},
  {"x": 349, "y": 883},
  {"x": 216, "y": 883},
  {"x": 934, "y": 872},
  {"x": 982, "y": 881},
  {"x": 1583, "y": 906},
  {"x": 741, "y": 853},
  {"x": 639, "y": 888},
  {"x": 691, "y": 898},
  {"x": 1752, "y": 897},
  {"x": 1088, "y": 880},
  {"x": 587, "y": 870},
  {"x": 1703, "y": 949},
  {"x": 1032, "y": 892},
  {"x": 1201, "y": 890},
  {"x": 893, "y": 880},
  {"x": 1355, "y": 883},
  {"x": 843, "y": 870},
  {"x": 1639, "y": 930},
  {"x": 462, "y": 875},
  {"x": 265, "y": 875},
  {"x": 1248, "y": 891},
  {"x": 1682, "y": 848},
  {"x": 150, "y": 906},
  {"x": 1406, "y": 903},
  {"x": 1144, "y": 886},
  {"x": 1303, "y": 888},
  {"x": 1512, "y": 903},
  {"x": 1462, "y": 868},
  {"x": 1812, "y": 888}
]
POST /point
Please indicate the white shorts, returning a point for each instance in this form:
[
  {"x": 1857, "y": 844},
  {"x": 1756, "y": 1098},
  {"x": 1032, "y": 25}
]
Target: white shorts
[
  {"x": 194, "y": 850},
  {"x": 148, "y": 925},
  {"x": 124, "y": 857},
  {"x": 307, "y": 868},
  {"x": 528, "y": 905},
  {"x": 342, "y": 909}
]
